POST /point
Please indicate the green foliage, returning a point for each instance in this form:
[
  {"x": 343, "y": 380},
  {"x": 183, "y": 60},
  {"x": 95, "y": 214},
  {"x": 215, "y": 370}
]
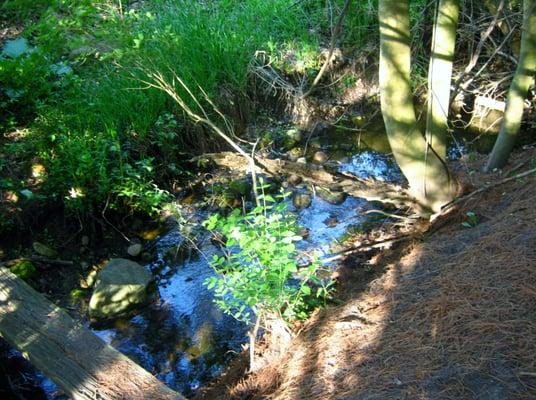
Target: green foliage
[
  {"x": 471, "y": 220},
  {"x": 259, "y": 271},
  {"x": 24, "y": 269},
  {"x": 77, "y": 295},
  {"x": 21, "y": 9},
  {"x": 96, "y": 131}
]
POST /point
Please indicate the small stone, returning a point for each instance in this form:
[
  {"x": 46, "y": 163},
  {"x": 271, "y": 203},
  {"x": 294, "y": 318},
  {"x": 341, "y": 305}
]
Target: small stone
[
  {"x": 295, "y": 153},
  {"x": 134, "y": 250},
  {"x": 301, "y": 160},
  {"x": 301, "y": 200},
  {"x": 294, "y": 180},
  {"x": 334, "y": 198},
  {"x": 85, "y": 240},
  {"x": 294, "y": 134},
  {"x": 331, "y": 222},
  {"x": 320, "y": 157},
  {"x": 44, "y": 250},
  {"x": 304, "y": 233}
]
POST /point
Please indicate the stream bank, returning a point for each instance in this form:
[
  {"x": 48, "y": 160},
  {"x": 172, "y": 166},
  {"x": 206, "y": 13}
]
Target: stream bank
[
  {"x": 183, "y": 338},
  {"x": 445, "y": 314}
]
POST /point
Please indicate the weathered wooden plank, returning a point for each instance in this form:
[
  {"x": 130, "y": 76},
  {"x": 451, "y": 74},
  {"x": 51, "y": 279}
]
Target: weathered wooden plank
[{"x": 83, "y": 365}]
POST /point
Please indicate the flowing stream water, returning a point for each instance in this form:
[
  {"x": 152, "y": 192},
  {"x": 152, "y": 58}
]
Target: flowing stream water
[{"x": 183, "y": 338}]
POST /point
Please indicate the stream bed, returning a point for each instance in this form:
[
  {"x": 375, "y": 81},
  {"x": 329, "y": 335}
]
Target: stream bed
[{"x": 183, "y": 338}]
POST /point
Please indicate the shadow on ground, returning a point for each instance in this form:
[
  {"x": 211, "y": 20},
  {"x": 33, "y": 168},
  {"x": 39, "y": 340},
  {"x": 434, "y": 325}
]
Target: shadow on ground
[{"x": 450, "y": 317}]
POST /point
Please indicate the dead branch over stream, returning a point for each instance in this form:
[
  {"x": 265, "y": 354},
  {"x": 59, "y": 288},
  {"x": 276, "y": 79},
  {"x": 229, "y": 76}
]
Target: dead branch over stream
[{"x": 369, "y": 189}]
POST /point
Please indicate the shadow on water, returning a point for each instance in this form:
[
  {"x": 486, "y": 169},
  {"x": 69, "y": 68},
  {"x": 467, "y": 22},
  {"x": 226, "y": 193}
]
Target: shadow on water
[
  {"x": 343, "y": 142},
  {"x": 184, "y": 339}
]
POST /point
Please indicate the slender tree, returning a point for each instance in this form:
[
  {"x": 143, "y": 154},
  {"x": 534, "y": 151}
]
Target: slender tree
[
  {"x": 523, "y": 78},
  {"x": 440, "y": 74},
  {"x": 428, "y": 176}
]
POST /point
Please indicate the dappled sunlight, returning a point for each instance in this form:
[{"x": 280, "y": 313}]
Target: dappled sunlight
[
  {"x": 325, "y": 359},
  {"x": 450, "y": 317},
  {"x": 68, "y": 353}
]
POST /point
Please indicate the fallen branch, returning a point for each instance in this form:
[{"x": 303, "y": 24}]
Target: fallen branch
[
  {"x": 37, "y": 259},
  {"x": 367, "y": 246},
  {"x": 369, "y": 189},
  {"x": 484, "y": 188}
]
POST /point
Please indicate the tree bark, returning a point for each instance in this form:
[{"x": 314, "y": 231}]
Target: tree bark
[
  {"x": 429, "y": 179},
  {"x": 83, "y": 366},
  {"x": 523, "y": 78},
  {"x": 439, "y": 75}
]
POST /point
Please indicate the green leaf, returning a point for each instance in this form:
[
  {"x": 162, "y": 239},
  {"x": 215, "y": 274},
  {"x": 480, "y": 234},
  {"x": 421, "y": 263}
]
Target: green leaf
[{"x": 306, "y": 290}]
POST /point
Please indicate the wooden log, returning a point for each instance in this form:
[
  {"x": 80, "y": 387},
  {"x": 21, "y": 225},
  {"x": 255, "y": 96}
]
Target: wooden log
[
  {"x": 369, "y": 189},
  {"x": 82, "y": 365}
]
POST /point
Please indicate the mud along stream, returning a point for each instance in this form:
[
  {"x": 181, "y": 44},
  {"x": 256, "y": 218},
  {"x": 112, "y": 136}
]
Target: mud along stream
[{"x": 183, "y": 338}]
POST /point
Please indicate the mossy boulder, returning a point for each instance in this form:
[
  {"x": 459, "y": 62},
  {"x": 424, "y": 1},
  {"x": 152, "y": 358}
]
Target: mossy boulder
[
  {"x": 239, "y": 188},
  {"x": 121, "y": 287},
  {"x": 44, "y": 250},
  {"x": 295, "y": 153}
]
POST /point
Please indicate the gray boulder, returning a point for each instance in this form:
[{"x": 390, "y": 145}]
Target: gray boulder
[{"x": 121, "y": 286}]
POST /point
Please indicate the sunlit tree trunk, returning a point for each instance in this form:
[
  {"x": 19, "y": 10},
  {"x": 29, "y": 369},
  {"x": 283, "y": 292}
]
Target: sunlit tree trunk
[
  {"x": 439, "y": 75},
  {"x": 428, "y": 176},
  {"x": 519, "y": 87}
]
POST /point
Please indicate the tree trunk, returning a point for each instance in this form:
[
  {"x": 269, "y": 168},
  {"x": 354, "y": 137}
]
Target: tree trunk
[
  {"x": 439, "y": 75},
  {"x": 428, "y": 176},
  {"x": 519, "y": 87},
  {"x": 83, "y": 366}
]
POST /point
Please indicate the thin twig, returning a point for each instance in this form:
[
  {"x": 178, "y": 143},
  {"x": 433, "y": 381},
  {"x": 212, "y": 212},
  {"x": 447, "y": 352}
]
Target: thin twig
[
  {"x": 477, "y": 52},
  {"x": 366, "y": 246},
  {"x": 486, "y": 187}
]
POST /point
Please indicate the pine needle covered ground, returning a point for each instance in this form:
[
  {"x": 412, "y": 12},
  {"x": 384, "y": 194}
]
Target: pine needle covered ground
[{"x": 450, "y": 315}]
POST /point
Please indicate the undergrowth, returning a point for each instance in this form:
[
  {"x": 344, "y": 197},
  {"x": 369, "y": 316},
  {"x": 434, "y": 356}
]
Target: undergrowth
[{"x": 102, "y": 137}]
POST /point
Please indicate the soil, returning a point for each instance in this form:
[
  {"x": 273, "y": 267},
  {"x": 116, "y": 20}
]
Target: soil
[{"x": 446, "y": 314}]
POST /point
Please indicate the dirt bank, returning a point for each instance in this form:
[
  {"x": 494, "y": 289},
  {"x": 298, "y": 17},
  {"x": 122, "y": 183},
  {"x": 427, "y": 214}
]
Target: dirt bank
[{"x": 449, "y": 315}]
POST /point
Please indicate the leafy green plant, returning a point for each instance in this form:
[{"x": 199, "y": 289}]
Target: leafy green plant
[
  {"x": 258, "y": 277},
  {"x": 24, "y": 269},
  {"x": 471, "y": 220},
  {"x": 258, "y": 272}
]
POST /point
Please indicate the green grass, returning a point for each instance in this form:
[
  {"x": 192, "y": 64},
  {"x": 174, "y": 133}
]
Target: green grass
[{"x": 96, "y": 127}]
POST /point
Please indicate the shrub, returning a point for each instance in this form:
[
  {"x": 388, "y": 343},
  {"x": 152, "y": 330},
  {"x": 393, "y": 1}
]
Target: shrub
[{"x": 259, "y": 272}]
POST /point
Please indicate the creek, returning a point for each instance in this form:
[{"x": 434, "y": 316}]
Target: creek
[{"x": 183, "y": 338}]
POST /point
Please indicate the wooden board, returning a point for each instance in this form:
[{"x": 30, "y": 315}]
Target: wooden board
[{"x": 80, "y": 363}]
